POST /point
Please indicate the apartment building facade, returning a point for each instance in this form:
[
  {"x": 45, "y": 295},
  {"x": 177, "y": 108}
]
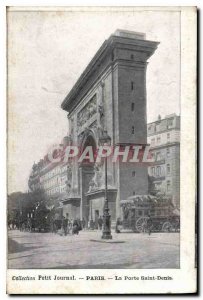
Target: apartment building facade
[
  {"x": 51, "y": 177},
  {"x": 164, "y": 140}
]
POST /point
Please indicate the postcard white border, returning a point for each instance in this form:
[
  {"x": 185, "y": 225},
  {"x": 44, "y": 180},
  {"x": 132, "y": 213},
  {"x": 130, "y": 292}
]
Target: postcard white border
[{"x": 184, "y": 278}]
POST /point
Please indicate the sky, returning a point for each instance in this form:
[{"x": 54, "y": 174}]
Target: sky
[{"x": 47, "y": 52}]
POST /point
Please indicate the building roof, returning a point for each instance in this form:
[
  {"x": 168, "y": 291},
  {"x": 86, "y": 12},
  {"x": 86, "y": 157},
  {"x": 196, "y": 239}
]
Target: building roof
[{"x": 159, "y": 119}]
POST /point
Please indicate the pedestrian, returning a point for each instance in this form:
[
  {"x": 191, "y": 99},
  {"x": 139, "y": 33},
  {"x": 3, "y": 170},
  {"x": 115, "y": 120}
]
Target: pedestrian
[
  {"x": 88, "y": 225},
  {"x": 71, "y": 225},
  {"x": 100, "y": 222},
  {"x": 55, "y": 226},
  {"x": 79, "y": 224},
  {"x": 149, "y": 224},
  {"x": 9, "y": 225},
  {"x": 118, "y": 225},
  {"x": 64, "y": 225},
  {"x": 96, "y": 224},
  {"x": 83, "y": 223},
  {"x": 68, "y": 226},
  {"x": 75, "y": 227},
  {"x": 52, "y": 225}
]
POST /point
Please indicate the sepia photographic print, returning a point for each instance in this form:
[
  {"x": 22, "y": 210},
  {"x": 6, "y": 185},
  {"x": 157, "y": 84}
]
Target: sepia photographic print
[{"x": 101, "y": 111}]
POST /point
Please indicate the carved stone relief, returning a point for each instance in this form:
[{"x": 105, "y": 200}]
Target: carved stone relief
[
  {"x": 87, "y": 112},
  {"x": 101, "y": 111},
  {"x": 69, "y": 179},
  {"x": 98, "y": 179}
]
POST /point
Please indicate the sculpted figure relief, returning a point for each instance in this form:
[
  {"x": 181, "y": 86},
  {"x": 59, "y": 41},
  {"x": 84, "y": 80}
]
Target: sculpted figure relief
[
  {"x": 96, "y": 181},
  {"x": 87, "y": 112}
]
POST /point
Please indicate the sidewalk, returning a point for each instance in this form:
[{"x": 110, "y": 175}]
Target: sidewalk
[{"x": 132, "y": 250}]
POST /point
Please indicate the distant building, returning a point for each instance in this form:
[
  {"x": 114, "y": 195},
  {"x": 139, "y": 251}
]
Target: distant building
[
  {"x": 164, "y": 174},
  {"x": 51, "y": 177}
]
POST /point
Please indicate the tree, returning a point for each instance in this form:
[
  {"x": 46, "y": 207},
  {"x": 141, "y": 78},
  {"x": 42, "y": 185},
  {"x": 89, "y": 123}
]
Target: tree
[{"x": 21, "y": 205}]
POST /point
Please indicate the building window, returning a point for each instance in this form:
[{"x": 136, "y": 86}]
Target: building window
[
  {"x": 168, "y": 186},
  {"x": 158, "y": 156},
  {"x": 133, "y": 193},
  {"x": 158, "y": 171},
  {"x": 132, "y": 106},
  {"x": 158, "y": 140},
  {"x": 170, "y": 123},
  {"x": 152, "y": 156},
  {"x": 132, "y": 85},
  {"x": 168, "y": 137},
  {"x": 152, "y": 171},
  {"x": 133, "y": 129},
  {"x": 168, "y": 152},
  {"x": 168, "y": 168},
  {"x": 152, "y": 142},
  {"x": 133, "y": 173},
  {"x": 156, "y": 128},
  {"x": 132, "y": 56},
  {"x": 158, "y": 186}
]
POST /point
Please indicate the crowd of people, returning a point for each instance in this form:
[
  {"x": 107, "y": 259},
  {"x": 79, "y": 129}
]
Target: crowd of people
[
  {"x": 69, "y": 226},
  {"x": 65, "y": 226}
]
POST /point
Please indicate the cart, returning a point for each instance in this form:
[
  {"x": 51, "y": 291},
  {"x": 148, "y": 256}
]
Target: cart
[{"x": 146, "y": 213}]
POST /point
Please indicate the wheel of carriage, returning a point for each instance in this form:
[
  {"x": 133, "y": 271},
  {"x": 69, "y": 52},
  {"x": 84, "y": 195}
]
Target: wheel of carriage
[
  {"x": 167, "y": 227},
  {"x": 141, "y": 224}
]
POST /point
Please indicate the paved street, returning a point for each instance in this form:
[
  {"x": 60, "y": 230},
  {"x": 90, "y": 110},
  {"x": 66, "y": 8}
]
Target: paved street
[{"x": 126, "y": 250}]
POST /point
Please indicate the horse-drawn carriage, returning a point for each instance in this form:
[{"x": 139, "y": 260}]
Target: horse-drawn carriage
[
  {"x": 149, "y": 213},
  {"x": 40, "y": 225},
  {"x": 40, "y": 221}
]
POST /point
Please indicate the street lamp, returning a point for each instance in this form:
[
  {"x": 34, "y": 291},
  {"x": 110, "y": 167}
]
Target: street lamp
[{"x": 105, "y": 140}]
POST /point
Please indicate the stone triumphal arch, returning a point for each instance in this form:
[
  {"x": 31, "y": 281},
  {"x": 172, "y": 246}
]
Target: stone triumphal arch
[{"x": 109, "y": 95}]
